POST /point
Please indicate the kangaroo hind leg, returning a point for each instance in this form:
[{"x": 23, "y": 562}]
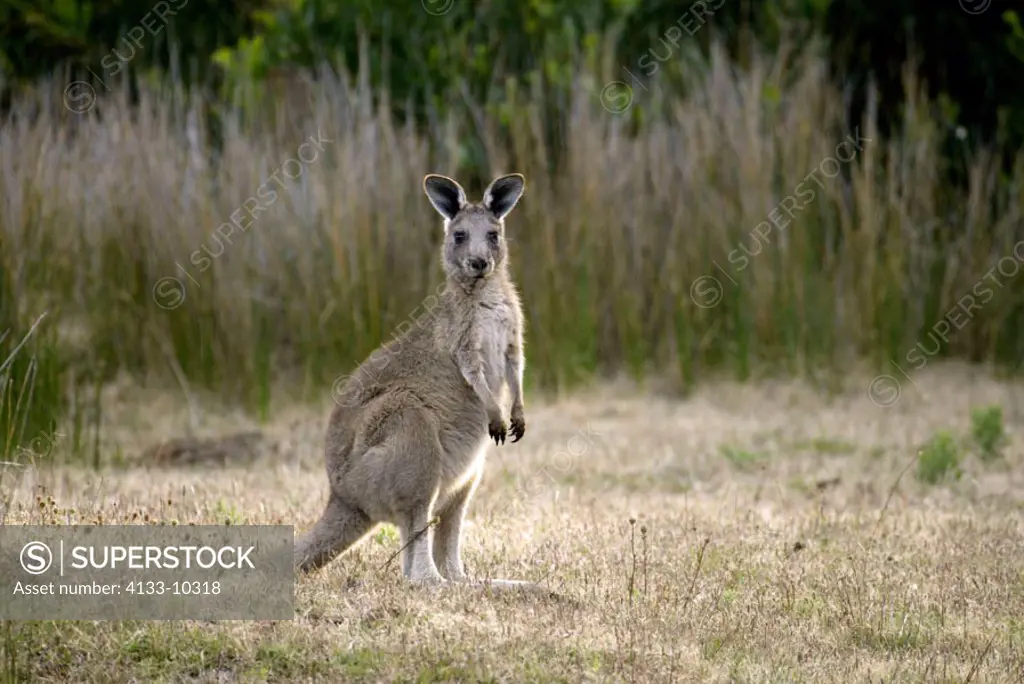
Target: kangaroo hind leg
[{"x": 340, "y": 527}]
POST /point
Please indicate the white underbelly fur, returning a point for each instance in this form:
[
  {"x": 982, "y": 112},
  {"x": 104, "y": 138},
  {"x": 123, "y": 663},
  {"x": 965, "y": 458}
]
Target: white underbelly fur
[{"x": 474, "y": 464}]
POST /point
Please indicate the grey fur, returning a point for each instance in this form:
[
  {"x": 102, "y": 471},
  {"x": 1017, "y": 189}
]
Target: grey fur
[{"x": 407, "y": 442}]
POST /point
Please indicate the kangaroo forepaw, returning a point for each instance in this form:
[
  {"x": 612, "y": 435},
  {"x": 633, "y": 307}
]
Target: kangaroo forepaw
[
  {"x": 518, "y": 425},
  {"x": 497, "y": 429}
]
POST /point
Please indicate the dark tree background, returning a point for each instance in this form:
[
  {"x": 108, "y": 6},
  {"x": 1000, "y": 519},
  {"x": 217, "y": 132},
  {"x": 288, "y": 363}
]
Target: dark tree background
[{"x": 973, "y": 63}]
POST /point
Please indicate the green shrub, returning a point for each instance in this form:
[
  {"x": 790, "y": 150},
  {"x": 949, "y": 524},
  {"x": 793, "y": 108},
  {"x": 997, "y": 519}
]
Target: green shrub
[
  {"x": 987, "y": 431},
  {"x": 940, "y": 457}
]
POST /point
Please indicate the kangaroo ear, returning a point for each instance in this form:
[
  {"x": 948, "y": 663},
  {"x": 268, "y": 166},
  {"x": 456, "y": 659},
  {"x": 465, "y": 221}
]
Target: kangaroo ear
[
  {"x": 503, "y": 193},
  {"x": 446, "y": 195}
]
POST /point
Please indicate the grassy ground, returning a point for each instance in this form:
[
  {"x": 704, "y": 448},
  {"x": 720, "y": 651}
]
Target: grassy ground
[{"x": 748, "y": 533}]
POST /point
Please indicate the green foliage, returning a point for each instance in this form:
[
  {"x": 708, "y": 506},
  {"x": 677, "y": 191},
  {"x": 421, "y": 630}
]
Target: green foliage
[
  {"x": 41, "y": 38},
  {"x": 987, "y": 431},
  {"x": 421, "y": 52},
  {"x": 386, "y": 535},
  {"x": 939, "y": 459}
]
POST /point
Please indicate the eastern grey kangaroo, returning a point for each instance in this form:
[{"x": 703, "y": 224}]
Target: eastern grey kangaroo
[{"x": 406, "y": 443}]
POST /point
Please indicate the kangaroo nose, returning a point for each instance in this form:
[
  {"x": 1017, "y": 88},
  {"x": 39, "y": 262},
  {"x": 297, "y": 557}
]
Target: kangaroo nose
[{"x": 478, "y": 264}]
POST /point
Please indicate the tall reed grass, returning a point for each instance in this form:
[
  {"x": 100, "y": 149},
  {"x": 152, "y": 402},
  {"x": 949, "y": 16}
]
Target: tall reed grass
[{"x": 622, "y": 213}]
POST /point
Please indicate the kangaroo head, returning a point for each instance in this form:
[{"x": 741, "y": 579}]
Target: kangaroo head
[{"x": 474, "y": 233}]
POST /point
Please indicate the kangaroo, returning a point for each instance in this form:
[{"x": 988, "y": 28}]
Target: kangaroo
[{"x": 407, "y": 442}]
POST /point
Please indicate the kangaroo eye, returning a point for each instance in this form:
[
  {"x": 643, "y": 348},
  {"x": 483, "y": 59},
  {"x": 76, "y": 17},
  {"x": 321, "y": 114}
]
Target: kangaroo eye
[
  {"x": 493, "y": 236},
  {"x": 459, "y": 237}
]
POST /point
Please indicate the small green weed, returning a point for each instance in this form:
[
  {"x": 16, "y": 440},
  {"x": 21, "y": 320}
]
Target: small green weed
[
  {"x": 386, "y": 535},
  {"x": 229, "y": 512},
  {"x": 827, "y": 446},
  {"x": 741, "y": 458},
  {"x": 940, "y": 457},
  {"x": 987, "y": 431}
]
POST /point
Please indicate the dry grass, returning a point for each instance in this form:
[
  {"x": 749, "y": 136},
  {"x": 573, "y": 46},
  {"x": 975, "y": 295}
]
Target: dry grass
[{"x": 774, "y": 564}]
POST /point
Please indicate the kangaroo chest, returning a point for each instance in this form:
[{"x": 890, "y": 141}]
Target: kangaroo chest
[
  {"x": 495, "y": 323},
  {"x": 488, "y": 332}
]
